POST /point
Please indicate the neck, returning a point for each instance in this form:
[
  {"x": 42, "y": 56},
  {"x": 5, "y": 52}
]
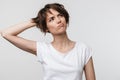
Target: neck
[{"x": 61, "y": 40}]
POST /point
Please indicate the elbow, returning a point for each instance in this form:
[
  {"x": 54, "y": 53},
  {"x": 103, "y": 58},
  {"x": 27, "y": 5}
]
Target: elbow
[{"x": 3, "y": 34}]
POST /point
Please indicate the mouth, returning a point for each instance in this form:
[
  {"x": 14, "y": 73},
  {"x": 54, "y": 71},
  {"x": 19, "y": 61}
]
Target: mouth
[{"x": 60, "y": 25}]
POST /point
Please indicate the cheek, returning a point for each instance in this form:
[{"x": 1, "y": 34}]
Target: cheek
[{"x": 50, "y": 26}]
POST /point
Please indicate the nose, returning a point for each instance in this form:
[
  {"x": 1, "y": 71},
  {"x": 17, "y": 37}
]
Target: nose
[{"x": 58, "y": 20}]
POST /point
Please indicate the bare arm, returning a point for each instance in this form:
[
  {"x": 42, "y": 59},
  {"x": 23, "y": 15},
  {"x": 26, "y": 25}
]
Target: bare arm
[
  {"x": 89, "y": 70},
  {"x": 11, "y": 33}
]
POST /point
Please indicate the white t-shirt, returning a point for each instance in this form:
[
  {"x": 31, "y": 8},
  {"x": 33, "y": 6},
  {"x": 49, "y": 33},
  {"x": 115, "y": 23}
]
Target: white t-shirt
[{"x": 59, "y": 66}]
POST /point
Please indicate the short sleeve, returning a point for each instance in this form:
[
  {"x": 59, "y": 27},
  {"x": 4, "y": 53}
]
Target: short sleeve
[
  {"x": 87, "y": 55},
  {"x": 39, "y": 51}
]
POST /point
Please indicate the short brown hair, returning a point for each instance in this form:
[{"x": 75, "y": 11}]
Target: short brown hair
[{"x": 40, "y": 20}]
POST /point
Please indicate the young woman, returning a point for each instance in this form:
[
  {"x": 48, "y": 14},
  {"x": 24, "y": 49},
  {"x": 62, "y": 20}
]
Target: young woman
[{"x": 62, "y": 59}]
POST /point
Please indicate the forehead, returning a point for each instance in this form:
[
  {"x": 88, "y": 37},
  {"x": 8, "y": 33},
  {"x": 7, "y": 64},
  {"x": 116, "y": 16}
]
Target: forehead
[{"x": 51, "y": 12}]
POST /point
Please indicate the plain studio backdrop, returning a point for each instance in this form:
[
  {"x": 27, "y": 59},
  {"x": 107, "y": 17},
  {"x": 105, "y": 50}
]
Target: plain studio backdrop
[{"x": 94, "y": 22}]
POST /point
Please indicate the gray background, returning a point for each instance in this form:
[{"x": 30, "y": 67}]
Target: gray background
[{"x": 94, "y": 22}]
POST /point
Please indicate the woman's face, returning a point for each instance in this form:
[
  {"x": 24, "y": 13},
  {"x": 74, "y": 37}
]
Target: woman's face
[{"x": 56, "y": 22}]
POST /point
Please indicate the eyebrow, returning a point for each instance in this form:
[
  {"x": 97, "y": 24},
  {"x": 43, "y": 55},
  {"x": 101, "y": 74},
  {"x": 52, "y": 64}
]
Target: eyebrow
[
  {"x": 49, "y": 11},
  {"x": 48, "y": 17}
]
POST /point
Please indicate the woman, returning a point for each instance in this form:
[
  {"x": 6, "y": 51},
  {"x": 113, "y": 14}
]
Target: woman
[{"x": 62, "y": 59}]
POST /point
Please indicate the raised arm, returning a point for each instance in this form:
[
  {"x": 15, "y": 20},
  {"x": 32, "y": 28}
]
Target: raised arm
[{"x": 11, "y": 34}]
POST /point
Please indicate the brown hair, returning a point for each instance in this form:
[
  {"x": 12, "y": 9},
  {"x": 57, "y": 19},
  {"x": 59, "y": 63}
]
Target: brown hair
[{"x": 40, "y": 20}]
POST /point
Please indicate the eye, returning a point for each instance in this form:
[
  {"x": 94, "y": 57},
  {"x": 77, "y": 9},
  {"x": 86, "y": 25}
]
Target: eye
[
  {"x": 51, "y": 19},
  {"x": 61, "y": 15}
]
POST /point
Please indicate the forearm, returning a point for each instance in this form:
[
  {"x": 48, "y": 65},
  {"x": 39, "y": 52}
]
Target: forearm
[
  {"x": 11, "y": 33},
  {"x": 18, "y": 28}
]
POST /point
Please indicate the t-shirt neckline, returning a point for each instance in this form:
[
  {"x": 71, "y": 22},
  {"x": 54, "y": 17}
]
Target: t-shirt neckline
[{"x": 63, "y": 53}]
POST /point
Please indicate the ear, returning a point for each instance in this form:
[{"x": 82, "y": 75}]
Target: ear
[{"x": 47, "y": 31}]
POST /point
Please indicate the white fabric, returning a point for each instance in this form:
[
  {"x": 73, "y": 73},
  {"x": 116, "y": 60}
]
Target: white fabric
[{"x": 59, "y": 66}]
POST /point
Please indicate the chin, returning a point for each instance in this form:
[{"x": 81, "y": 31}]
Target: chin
[{"x": 61, "y": 33}]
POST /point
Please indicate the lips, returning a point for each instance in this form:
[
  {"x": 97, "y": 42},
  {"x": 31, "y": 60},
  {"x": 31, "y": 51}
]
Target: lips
[{"x": 61, "y": 25}]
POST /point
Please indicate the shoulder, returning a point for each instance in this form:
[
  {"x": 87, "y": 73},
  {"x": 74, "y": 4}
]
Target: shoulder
[
  {"x": 85, "y": 51},
  {"x": 41, "y": 44},
  {"x": 42, "y": 47},
  {"x": 82, "y": 44}
]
